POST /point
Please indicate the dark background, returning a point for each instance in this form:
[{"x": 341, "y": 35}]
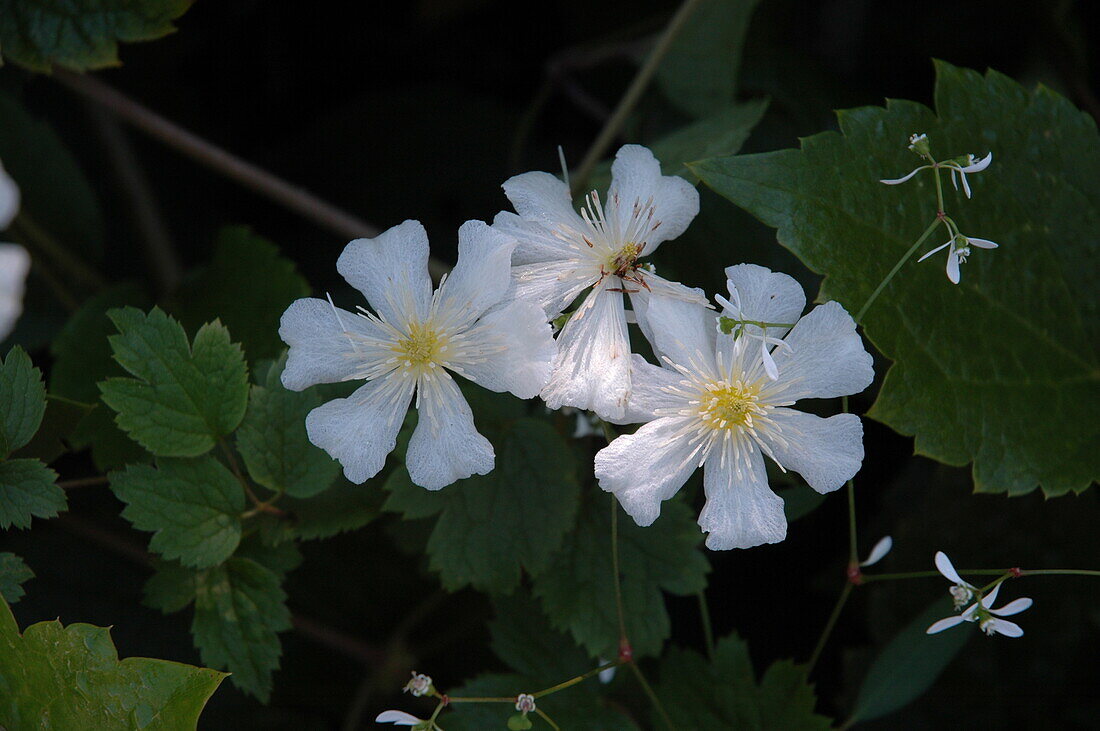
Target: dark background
[{"x": 421, "y": 110}]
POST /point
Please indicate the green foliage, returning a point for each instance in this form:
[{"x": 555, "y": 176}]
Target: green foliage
[
  {"x": 71, "y": 678},
  {"x": 273, "y": 443},
  {"x": 193, "y": 506},
  {"x": 28, "y": 489},
  {"x": 184, "y": 397},
  {"x": 579, "y": 596},
  {"x": 341, "y": 508},
  {"x": 910, "y": 664},
  {"x": 1001, "y": 370},
  {"x": 799, "y": 501},
  {"x": 22, "y": 400},
  {"x": 239, "y": 609},
  {"x": 247, "y": 286},
  {"x": 491, "y": 527},
  {"x": 725, "y": 694},
  {"x": 171, "y": 588},
  {"x": 80, "y": 34},
  {"x": 700, "y": 72},
  {"x": 13, "y": 573}
]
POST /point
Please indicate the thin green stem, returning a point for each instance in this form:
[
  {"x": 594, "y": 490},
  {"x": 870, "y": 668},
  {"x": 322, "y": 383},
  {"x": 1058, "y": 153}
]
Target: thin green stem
[
  {"x": 867, "y": 578},
  {"x": 652, "y": 696},
  {"x": 708, "y": 631},
  {"x": 853, "y": 545},
  {"x": 633, "y": 94},
  {"x": 544, "y": 717},
  {"x": 829, "y": 625},
  {"x": 1059, "y": 572},
  {"x": 901, "y": 262},
  {"x": 615, "y": 570},
  {"x": 481, "y": 699},
  {"x": 579, "y": 679},
  {"x": 939, "y": 188}
]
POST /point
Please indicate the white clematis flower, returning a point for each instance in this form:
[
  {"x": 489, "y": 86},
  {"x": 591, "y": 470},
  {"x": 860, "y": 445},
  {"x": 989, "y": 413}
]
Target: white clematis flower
[
  {"x": 958, "y": 249},
  {"x": 408, "y": 345},
  {"x": 713, "y": 405},
  {"x": 981, "y": 611},
  {"x": 15, "y": 262},
  {"x": 561, "y": 253}
]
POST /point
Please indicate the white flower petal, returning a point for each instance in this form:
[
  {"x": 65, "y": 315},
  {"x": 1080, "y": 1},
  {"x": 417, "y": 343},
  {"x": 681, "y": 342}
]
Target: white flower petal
[
  {"x": 542, "y": 197},
  {"x": 1013, "y": 607},
  {"x": 766, "y": 296},
  {"x": 898, "y": 181},
  {"x": 647, "y": 467},
  {"x": 981, "y": 243},
  {"x": 941, "y": 247},
  {"x": 649, "y": 392},
  {"x": 966, "y": 184},
  {"x": 980, "y": 165},
  {"x": 361, "y": 430},
  {"x": 636, "y": 178},
  {"x": 953, "y": 265},
  {"x": 397, "y": 718},
  {"x": 988, "y": 599},
  {"x": 684, "y": 332},
  {"x": 879, "y": 551},
  {"x": 657, "y": 287},
  {"x": 946, "y": 623},
  {"x": 945, "y": 567},
  {"x": 769, "y": 362},
  {"x": 15, "y": 263},
  {"x": 826, "y": 357},
  {"x": 592, "y": 368},
  {"x": 9, "y": 199},
  {"x": 480, "y": 277},
  {"x": 326, "y": 343},
  {"x": 826, "y": 452},
  {"x": 552, "y": 285},
  {"x": 741, "y": 511},
  {"x": 526, "y": 352},
  {"x": 445, "y": 446},
  {"x": 391, "y": 270},
  {"x": 1006, "y": 628},
  {"x": 536, "y": 242}
]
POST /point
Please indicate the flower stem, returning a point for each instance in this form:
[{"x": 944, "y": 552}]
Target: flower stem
[
  {"x": 829, "y": 625},
  {"x": 901, "y": 262},
  {"x": 652, "y": 696},
  {"x": 1059, "y": 572},
  {"x": 632, "y": 95},
  {"x": 579, "y": 679},
  {"x": 708, "y": 631},
  {"x": 544, "y": 717},
  {"x": 867, "y": 578}
]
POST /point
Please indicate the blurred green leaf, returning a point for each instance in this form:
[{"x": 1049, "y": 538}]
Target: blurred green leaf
[
  {"x": 273, "y": 443},
  {"x": 71, "y": 678},
  {"x": 1004, "y": 369},
  {"x": 22, "y": 400},
  {"x": 577, "y": 592},
  {"x": 184, "y": 397},
  {"x": 700, "y": 72},
  {"x": 340, "y": 508},
  {"x": 63, "y": 417},
  {"x": 170, "y": 588},
  {"x": 910, "y": 664},
  {"x": 725, "y": 694},
  {"x": 247, "y": 286},
  {"x": 13, "y": 573},
  {"x": 799, "y": 501},
  {"x": 28, "y": 489},
  {"x": 239, "y": 609},
  {"x": 192, "y": 506},
  {"x": 492, "y": 526},
  {"x": 80, "y": 34}
]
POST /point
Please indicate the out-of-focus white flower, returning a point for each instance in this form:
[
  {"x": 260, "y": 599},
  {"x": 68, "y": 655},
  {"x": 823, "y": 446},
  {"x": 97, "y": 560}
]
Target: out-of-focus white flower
[
  {"x": 15, "y": 263},
  {"x": 561, "y": 253},
  {"x": 408, "y": 345},
  {"x": 958, "y": 249},
  {"x": 525, "y": 703},
  {"x": 400, "y": 718},
  {"x": 9, "y": 198},
  {"x": 713, "y": 405},
  {"x": 420, "y": 685},
  {"x": 606, "y": 676},
  {"x": 981, "y": 611},
  {"x": 879, "y": 551}
]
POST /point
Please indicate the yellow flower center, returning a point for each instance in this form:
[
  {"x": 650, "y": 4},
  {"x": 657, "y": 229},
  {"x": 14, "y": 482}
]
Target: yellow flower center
[
  {"x": 421, "y": 350},
  {"x": 730, "y": 405},
  {"x": 625, "y": 259}
]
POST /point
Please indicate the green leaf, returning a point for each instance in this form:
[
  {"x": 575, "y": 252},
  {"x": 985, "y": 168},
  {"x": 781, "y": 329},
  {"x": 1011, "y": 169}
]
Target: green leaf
[
  {"x": 71, "y": 678},
  {"x": 493, "y": 526},
  {"x": 28, "y": 489},
  {"x": 577, "y": 592},
  {"x": 13, "y": 573},
  {"x": 273, "y": 443},
  {"x": 799, "y": 501},
  {"x": 22, "y": 400},
  {"x": 725, "y": 694},
  {"x": 721, "y": 133},
  {"x": 184, "y": 397},
  {"x": 80, "y": 34},
  {"x": 170, "y": 588},
  {"x": 61, "y": 421},
  {"x": 248, "y": 286},
  {"x": 281, "y": 559},
  {"x": 53, "y": 190},
  {"x": 193, "y": 507},
  {"x": 1004, "y": 369},
  {"x": 341, "y": 508},
  {"x": 699, "y": 74},
  {"x": 908, "y": 666},
  {"x": 239, "y": 609}
]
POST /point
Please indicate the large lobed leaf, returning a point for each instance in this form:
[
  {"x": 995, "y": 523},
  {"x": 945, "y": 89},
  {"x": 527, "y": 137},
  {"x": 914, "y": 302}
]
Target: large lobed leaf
[
  {"x": 71, "y": 678},
  {"x": 80, "y": 34},
  {"x": 184, "y": 397},
  {"x": 1004, "y": 369}
]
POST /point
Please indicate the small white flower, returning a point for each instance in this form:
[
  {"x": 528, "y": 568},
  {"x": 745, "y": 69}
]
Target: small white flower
[
  {"x": 969, "y": 164},
  {"x": 561, "y": 253},
  {"x": 400, "y": 718},
  {"x": 958, "y": 249},
  {"x": 606, "y": 676},
  {"x": 408, "y": 345},
  {"x": 980, "y": 611},
  {"x": 879, "y": 551},
  {"x": 777, "y": 310},
  {"x": 525, "y": 703},
  {"x": 420, "y": 685},
  {"x": 713, "y": 405}
]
